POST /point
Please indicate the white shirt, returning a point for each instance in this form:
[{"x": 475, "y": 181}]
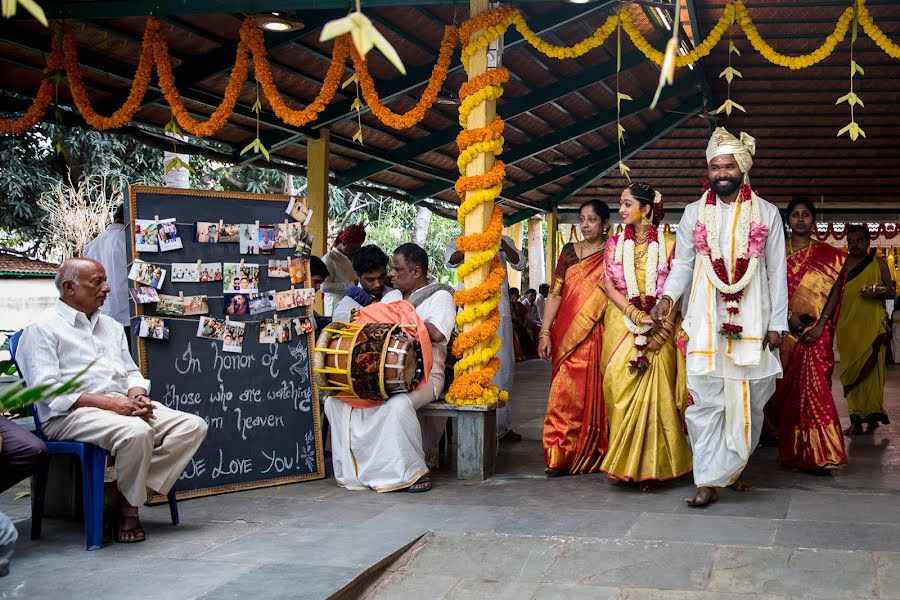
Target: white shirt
[
  {"x": 439, "y": 309},
  {"x": 540, "y": 303},
  {"x": 108, "y": 249},
  {"x": 516, "y": 262},
  {"x": 62, "y": 343},
  {"x": 772, "y": 271},
  {"x": 341, "y": 277}
]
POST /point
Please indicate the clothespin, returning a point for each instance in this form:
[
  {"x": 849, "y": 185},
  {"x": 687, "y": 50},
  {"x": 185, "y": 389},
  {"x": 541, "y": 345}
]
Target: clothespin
[
  {"x": 242, "y": 263},
  {"x": 199, "y": 262},
  {"x": 257, "y": 225},
  {"x": 285, "y": 224},
  {"x": 181, "y": 294},
  {"x": 308, "y": 217}
]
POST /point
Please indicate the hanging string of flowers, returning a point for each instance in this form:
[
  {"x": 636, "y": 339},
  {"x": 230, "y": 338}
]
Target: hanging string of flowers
[
  {"x": 873, "y": 31},
  {"x": 42, "y": 99},
  {"x": 852, "y": 128},
  {"x": 476, "y": 366},
  {"x": 701, "y": 50}
]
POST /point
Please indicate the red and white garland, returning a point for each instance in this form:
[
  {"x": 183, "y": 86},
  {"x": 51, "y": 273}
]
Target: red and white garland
[
  {"x": 750, "y": 241},
  {"x": 656, "y": 255}
]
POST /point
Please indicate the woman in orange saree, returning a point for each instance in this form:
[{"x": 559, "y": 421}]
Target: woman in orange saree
[
  {"x": 801, "y": 413},
  {"x": 575, "y": 427}
]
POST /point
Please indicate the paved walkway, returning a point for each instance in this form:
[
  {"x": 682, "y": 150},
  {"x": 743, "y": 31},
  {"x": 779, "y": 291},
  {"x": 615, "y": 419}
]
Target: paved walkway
[{"x": 517, "y": 535}]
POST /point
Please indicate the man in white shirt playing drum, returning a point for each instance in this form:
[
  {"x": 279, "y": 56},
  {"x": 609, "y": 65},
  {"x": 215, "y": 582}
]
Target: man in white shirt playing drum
[
  {"x": 150, "y": 442},
  {"x": 730, "y": 258},
  {"x": 384, "y": 447}
]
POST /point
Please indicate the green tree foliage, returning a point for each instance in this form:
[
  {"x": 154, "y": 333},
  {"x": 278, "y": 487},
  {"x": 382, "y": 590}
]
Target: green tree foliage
[{"x": 31, "y": 163}]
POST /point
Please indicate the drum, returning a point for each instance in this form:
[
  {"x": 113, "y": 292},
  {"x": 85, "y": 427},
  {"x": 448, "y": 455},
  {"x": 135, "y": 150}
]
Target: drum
[{"x": 371, "y": 361}]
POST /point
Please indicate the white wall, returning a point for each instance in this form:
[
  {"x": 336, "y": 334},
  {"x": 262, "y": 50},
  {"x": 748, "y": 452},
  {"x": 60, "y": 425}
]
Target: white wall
[{"x": 22, "y": 300}]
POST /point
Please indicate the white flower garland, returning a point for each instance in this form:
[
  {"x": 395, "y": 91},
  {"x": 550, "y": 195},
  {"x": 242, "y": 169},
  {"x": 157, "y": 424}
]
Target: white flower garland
[
  {"x": 709, "y": 218},
  {"x": 656, "y": 253}
]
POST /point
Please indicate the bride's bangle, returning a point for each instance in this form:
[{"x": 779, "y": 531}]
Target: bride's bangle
[{"x": 544, "y": 334}]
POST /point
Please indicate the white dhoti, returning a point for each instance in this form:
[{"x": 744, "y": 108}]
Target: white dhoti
[
  {"x": 504, "y": 375},
  {"x": 147, "y": 454},
  {"x": 379, "y": 447},
  {"x": 724, "y": 424}
]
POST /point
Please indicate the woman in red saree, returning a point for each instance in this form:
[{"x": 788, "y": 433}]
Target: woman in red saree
[
  {"x": 802, "y": 413},
  {"x": 575, "y": 427}
]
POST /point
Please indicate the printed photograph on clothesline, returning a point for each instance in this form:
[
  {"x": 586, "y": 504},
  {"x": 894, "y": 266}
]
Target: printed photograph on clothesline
[
  {"x": 172, "y": 306},
  {"x": 144, "y": 294},
  {"x": 249, "y": 238},
  {"x": 154, "y": 328},
  {"x": 278, "y": 268},
  {"x": 305, "y": 296},
  {"x": 196, "y": 305},
  {"x": 234, "y": 336},
  {"x": 283, "y": 331},
  {"x": 210, "y": 272},
  {"x": 230, "y": 233},
  {"x": 168, "y": 236},
  {"x": 147, "y": 273},
  {"x": 237, "y": 304},
  {"x": 266, "y": 239},
  {"x": 267, "y": 331},
  {"x": 146, "y": 236},
  {"x": 304, "y": 245},
  {"x": 210, "y": 328},
  {"x": 206, "y": 233},
  {"x": 298, "y": 270},
  {"x": 298, "y": 210},
  {"x": 302, "y": 325},
  {"x": 262, "y": 302},
  {"x": 240, "y": 278},
  {"x": 185, "y": 273},
  {"x": 285, "y": 300},
  {"x": 287, "y": 234}
]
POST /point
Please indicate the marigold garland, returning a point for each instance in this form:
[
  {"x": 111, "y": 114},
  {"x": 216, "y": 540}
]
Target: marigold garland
[
  {"x": 467, "y": 137},
  {"x": 42, "y": 99},
  {"x": 491, "y": 92},
  {"x": 793, "y": 62},
  {"x": 492, "y": 77},
  {"x": 138, "y": 85},
  {"x": 583, "y": 47},
  {"x": 873, "y": 31},
  {"x": 471, "y": 183},
  {"x": 435, "y": 82},
  {"x": 494, "y": 147},
  {"x": 475, "y": 198},
  {"x": 478, "y": 357},
  {"x": 485, "y": 289},
  {"x": 480, "y": 333},
  {"x": 478, "y": 242}
]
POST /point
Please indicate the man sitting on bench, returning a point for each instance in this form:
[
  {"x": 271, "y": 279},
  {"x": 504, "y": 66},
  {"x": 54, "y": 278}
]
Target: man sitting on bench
[
  {"x": 382, "y": 447},
  {"x": 150, "y": 442}
]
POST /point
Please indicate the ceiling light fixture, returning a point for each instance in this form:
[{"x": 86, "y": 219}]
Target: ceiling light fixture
[{"x": 276, "y": 23}]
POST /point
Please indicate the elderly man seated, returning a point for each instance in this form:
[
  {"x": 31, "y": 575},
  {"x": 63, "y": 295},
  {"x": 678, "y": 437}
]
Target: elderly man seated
[
  {"x": 382, "y": 447},
  {"x": 150, "y": 442}
]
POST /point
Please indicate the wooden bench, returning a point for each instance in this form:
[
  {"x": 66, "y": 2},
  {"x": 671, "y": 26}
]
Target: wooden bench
[{"x": 476, "y": 436}]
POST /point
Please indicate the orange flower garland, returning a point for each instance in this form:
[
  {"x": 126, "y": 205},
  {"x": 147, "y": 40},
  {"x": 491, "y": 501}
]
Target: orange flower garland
[
  {"x": 138, "y": 86},
  {"x": 435, "y": 82},
  {"x": 476, "y": 386},
  {"x": 42, "y": 99}
]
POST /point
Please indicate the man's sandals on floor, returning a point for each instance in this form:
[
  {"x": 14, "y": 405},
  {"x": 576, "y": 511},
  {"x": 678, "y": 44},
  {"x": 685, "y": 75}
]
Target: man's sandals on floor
[
  {"x": 129, "y": 529},
  {"x": 422, "y": 484}
]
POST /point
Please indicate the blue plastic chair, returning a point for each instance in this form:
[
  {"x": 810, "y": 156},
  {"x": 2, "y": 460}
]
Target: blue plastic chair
[{"x": 93, "y": 467}]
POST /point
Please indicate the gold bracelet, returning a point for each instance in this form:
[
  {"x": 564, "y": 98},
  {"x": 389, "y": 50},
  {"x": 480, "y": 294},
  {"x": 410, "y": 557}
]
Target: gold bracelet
[
  {"x": 544, "y": 333},
  {"x": 671, "y": 305}
]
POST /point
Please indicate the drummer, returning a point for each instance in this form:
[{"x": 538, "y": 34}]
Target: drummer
[
  {"x": 381, "y": 447},
  {"x": 370, "y": 266}
]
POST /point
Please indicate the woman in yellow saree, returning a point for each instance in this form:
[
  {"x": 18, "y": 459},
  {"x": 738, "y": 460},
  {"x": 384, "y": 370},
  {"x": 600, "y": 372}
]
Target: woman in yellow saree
[
  {"x": 572, "y": 331},
  {"x": 862, "y": 332},
  {"x": 647, "y": 443},
  {"x": 801, "y": 413}
]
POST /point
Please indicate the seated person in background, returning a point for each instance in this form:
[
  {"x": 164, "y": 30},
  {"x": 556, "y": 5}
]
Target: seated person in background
[
  {"x": 21, "y": 454},
  {"x": 318, "y": 272},
  {"x": 384, "y": 447},
  {"x": 151, "y": 443},
  {"x": 370, "y": 265}
]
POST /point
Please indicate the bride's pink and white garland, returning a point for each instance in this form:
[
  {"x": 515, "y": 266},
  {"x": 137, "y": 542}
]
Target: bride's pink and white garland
[
  {"x": 750, "y": 241},
  {"x": 656, "y": 255}
]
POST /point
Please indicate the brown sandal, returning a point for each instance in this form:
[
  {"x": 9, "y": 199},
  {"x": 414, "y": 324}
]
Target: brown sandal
[{"x": 129, "y": 535}]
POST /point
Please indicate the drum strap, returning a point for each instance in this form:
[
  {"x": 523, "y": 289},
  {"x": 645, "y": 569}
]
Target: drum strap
[{"x": 424, "y": 293}]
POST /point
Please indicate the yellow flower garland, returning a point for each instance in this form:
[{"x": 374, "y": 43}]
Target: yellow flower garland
[
  {"x": 873, "y": 31},
  {"x": 793, "y": 62},
  {"x": 482, "y": 309},
  {"x": 479, "y": 260},
  {"x": 469, "y": 154},
  {"x": 477, "y": 357},
  {"x": 476, "y": 198},
  {"x": 583, "y": 47},
  {"x": 701, "y": 51},
  {"x": 491, "y": 92}
]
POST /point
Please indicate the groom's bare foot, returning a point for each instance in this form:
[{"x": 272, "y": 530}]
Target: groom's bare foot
[
  {"x": 741, "y": 485},
  {"x": 704, "y": 496}
]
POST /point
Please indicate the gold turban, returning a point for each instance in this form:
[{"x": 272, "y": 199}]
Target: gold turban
[{"x": 742, "y": 149}]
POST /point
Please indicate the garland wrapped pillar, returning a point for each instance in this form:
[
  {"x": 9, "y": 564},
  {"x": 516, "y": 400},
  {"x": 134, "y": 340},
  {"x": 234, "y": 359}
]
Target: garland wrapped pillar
[
  {"x": 479, "y": 184},
  {"x": 317, "y": 167}
]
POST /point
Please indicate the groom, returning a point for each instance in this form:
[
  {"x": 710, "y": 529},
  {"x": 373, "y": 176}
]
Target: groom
[{"x": 730, "y": 255}]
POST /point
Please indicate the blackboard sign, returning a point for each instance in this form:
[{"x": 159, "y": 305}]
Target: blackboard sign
[{"x": 259, "y": 399}]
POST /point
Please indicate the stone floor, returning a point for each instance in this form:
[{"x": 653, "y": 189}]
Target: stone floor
[{"x": 516, "y": 535}]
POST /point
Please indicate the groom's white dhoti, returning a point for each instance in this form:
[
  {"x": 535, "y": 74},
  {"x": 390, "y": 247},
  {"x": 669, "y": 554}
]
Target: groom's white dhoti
[{"x": 730, "y": 381}]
